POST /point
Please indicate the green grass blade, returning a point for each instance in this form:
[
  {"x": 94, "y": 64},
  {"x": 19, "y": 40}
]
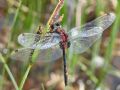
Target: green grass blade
[{"x": 9, "y": 72}]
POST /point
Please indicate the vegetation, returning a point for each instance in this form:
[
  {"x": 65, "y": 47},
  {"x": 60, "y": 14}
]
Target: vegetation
[{"x": 95, "y": 69}]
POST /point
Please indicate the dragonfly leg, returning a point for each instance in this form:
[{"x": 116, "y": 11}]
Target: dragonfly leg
[{"x": 68, "y": 44}]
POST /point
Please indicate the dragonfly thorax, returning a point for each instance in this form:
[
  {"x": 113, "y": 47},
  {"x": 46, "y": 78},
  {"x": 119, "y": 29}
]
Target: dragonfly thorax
[
  {"x": 64, "y": 43},
  {"x": 56, "y": 28}
]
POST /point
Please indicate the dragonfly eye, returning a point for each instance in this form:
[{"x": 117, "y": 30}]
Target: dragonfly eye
[
  {"x": 57, "y": 24},
  {"x": 52, "y": 26}
]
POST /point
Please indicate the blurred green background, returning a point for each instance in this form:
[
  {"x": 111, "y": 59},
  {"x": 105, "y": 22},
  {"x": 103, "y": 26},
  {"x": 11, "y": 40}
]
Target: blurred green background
[{"x": 96, "y": 69}]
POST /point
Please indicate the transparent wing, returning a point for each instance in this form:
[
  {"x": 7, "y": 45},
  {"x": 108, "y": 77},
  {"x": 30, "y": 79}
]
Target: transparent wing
[
  {"x": 84, "y": 32},
  {"x": 80, "y": 44},
  {"x": 47, "y": 47},
  {"x": 82, "y": 38},
  {"x": 103, "y": 21},
  {"x": 45, "y": 55},
  {"x": 89, "y": 29},
  {"x": 28, "y": 39},
  {"x": 35, "y": 41},
  {"x": 47, "y": 41}
]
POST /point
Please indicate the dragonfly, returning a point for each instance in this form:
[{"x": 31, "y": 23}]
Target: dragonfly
[{"x": 53, "y": 45}]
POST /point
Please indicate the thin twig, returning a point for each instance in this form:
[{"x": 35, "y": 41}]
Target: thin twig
[{"x": 56, "y": 11}]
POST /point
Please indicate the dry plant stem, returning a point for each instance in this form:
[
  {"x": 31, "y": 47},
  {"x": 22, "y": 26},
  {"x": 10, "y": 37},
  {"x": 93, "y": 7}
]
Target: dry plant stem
[
  {"x": 81, "y": 4},
  {"x": 56, "y": 11},
  {"x": 9, "y": 72}
]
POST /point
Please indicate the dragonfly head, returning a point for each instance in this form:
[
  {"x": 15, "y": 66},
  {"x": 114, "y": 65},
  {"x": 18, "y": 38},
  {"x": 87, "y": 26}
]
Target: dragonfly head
[{"x": 54, "y": 27}]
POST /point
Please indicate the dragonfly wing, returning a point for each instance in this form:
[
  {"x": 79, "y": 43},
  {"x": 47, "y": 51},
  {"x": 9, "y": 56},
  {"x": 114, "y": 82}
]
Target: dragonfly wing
[
  {"x": 35, "y": 41},
  {"x": 84, "y": 32},
  {"x": 103, "y": 21},
  {"x": 46, "y": 55},
  {"x": 82, "y": 40},
  {"x": 80, "y": 45},
  {"x": 28, "y": 39},
  {"x": 21, "y": 54},
  {"x": 48, "y": 41}
]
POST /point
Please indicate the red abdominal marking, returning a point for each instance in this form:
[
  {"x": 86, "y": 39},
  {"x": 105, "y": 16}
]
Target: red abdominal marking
[
  {"x": 64, "y": 39},
  {"x": 64, "y": 36}
]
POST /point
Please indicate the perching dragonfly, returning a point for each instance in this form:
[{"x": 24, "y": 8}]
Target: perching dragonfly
[{"x": 53, "y": 45}]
